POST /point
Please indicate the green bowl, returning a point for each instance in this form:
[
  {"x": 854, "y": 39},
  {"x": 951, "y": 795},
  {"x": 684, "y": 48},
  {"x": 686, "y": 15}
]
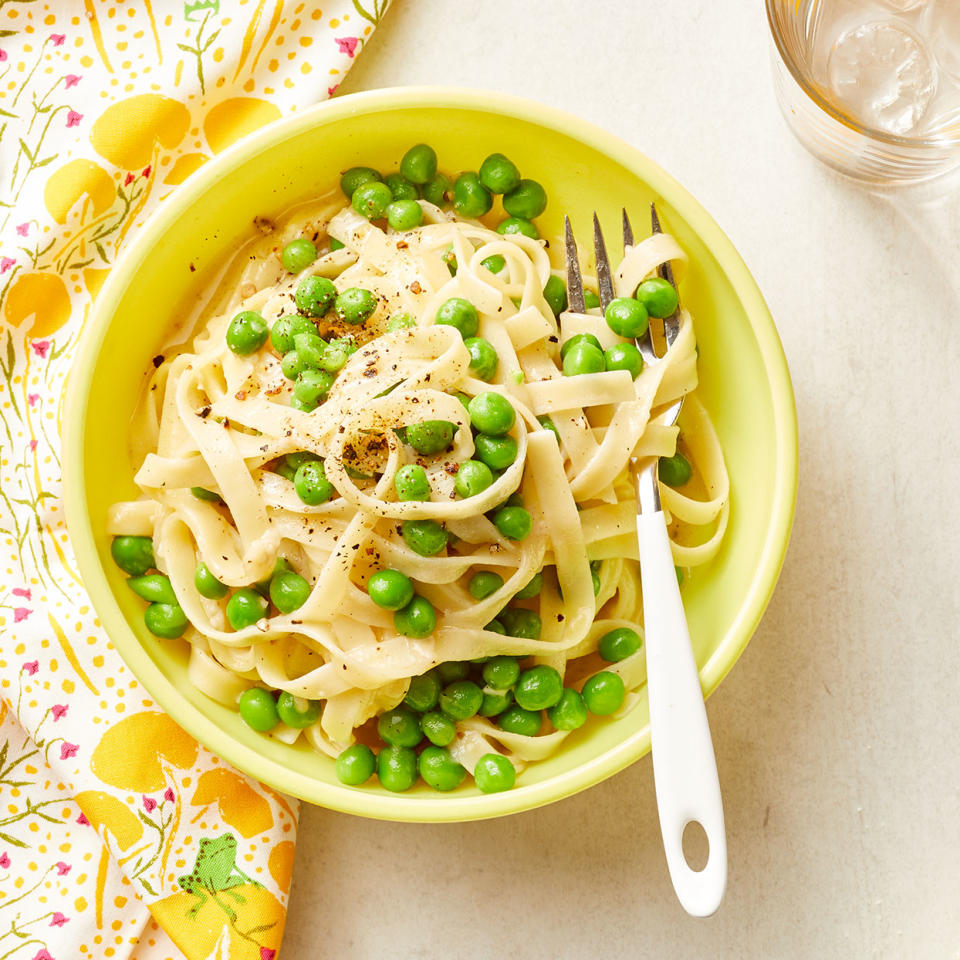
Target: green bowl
[{"x": 745, "y": 386}]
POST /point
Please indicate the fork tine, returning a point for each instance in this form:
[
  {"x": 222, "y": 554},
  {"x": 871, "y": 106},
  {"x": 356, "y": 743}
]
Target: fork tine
[
  {"x": 627, "y": 232},
  {"x": 665, "y": 270},
  {"x": 574, "y": 280},
  {"x": 604, "y": 278}
]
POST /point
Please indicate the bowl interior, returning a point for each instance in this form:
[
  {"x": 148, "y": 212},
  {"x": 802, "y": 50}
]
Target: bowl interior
[{"x": 744, "y": 385}]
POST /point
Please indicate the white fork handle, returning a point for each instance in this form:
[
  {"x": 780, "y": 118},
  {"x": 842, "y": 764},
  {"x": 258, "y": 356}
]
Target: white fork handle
[{"x": 684, "y": 766}]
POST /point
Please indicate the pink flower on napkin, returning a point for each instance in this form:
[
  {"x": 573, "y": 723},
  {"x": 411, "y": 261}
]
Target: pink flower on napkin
[
  {"x": 58, "y": 39},
  {"x": 347, "y": 45},
  {"x": 21, "y": 613},
  {"x": 82, "y": 820},
  {"x": 32, "y": 399},
  {"x": 74, "y": 118},
  {"x": 58, "y": 710},
  {"x": 68, "y": 750},
  {"x": 3, "y": 55},
  {"x": 4, "y": 860},
  {"x": 169, "y": 795},
  {"x": 33, "y": 445},
  {"x": 6, "y": 262},
  {"x": 42, "y": 955},
  {"x": 21, "y": 592},
  {"x": 128, "y": 179},
  {"x": 267, "y": 953},
  {"x": 146, "y": 170},
  {"x": 31, "y": 666},
  {"x": 41, "y": 348},
  {"x": 72, "y": 80},
  {"x": 332, "y": 90},
  {"x": 149, "y": 804},
  {"x": 58, "y": 919},
  {"x": 23, "y": 228},
  {"x": 62, "y": 868}
]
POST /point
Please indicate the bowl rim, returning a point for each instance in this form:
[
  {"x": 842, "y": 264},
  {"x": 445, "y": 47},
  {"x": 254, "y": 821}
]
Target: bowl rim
[{"x": 273, "y": 772}]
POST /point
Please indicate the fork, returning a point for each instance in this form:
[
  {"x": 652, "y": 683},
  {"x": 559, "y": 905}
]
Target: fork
[{"x": 684, "y": 765}]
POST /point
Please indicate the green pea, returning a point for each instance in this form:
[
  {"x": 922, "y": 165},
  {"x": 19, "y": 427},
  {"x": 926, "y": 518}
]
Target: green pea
[
  {"x": 501, "y": 673},
  {"x": 397, "y": 768},
  {"x": 590, "y": 300},
  {"x": 355, "y": 765},
  {"x": 245, "y": 608},
  {"x": 401, "y": 321},
  {"x": 483, "y": 357},
  {"x": 258, "y": 709},
  {"x": 166, "y": 620},
  {"x": 495, "y": 703},
  {"x": 494, "y": 264},
  {"x": 658, "y": 297},
  {"x": 297, "y": 712},
  {"x": 439, "y": 770},
  {"x": 520, "y": 622},
  {"x": 619, "y": 644},
  {"x": 464, "y": 399},
  {"x": 246, "y": 333},
  {"x": 492, "y": 413},
  {"x": 285, "y": 470},
  {"x": 539, "y": 688},
  {"x": 390, "y": 589},
  {"x": 459, "y": 313},
  {"x": 399, "y": 727},
  {"x": 292, "y": 365},
  {"x": 425, "y": 537},
  {"x": 400, "y": 187},
  {"x": 461, "y": 700},
  {"x": 289, "y": 591},
  {"x": 517, "y": 720},
  {"x": 438, "y": 190},
  {"x": 355, "y": 305},
  {"x": 548, "y": 424},
  {"x": 453, "y": 670},
  {"x": 310, "y": 348},
  {"x": 311, "y": 483},
  {"x": 624, "y": 356},
  {"x": 431, "y": 436},
  {"x": 484, "y": 583},
  {"x": 518, "y": 225},
  {"x": 528, "y": 199},
  {"x": 312, "y": 386},
  {"x": 494, "y": 773},
  {"x": 603, "y": 693},
  {"x": 626, "y": 317},
  {"x": 450, "y": 260},
  {"x": 472, "y": 478},
  {"x": 154, "y": 587},
  {"x": 313, "y": 296},
  {"x": 674, "y": 471},
  {"x": 298, "y": 255},
  {"x": 404, "y": 214},
  {"x": 201, "y": 493},
  {"x": 411, "y": 483},
  {"x": 531, "y": 589},
  {"x": 568, "y": 345},
  {"x": 336, "y": 244},
  {"x": 438, "y": 728},
  {"x": 263, "y": 586},
  {"x": 470, "y": 197},
  {"x": 306, "y": 406},
  {"x": 371, "y": 199},
  {"x": 419, "y": 163},
  {"x": 133, "y": 555},
  {"x": 299, "y": 457},
  {"x": 515, "y": 523},
  {"x": 356, "y": 177},
  {"x": 423, "y": 692},
  {"x": 496, "y": 452},
  {"x": 569, "y": 712},
  {"x": 207, "y": 584},
  {"x": 495, "y": 626},
  {"x": 595, "y": 579},
  {"x": 555, "y": 293},
  {"x": 499, "y": 174},
  {"x": 417, "y": 619},
  {"x": 583, "y": 358}
]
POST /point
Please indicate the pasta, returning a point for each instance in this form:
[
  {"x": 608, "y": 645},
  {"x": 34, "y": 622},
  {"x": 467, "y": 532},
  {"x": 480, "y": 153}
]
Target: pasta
[{"x": 219, "y": 433}]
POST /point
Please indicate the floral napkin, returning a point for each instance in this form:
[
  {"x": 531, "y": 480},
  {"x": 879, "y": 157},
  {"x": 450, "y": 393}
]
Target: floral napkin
[{"x": 120, "y": 836}]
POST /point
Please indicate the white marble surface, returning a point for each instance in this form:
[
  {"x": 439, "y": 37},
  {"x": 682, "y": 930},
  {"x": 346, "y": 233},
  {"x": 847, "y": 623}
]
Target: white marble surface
[{"x": 838, "y": 733}]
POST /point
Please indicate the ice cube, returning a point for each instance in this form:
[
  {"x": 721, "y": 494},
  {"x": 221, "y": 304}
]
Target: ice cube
[{"x": 883, "y": 75}]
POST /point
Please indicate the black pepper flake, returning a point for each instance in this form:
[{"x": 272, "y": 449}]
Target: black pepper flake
[
  {"x": 158, "y": 359},
  {"x": 204, "y": 413},
  {"x": 553, "y": 339},
  {"x": 193, "y": 269}
]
